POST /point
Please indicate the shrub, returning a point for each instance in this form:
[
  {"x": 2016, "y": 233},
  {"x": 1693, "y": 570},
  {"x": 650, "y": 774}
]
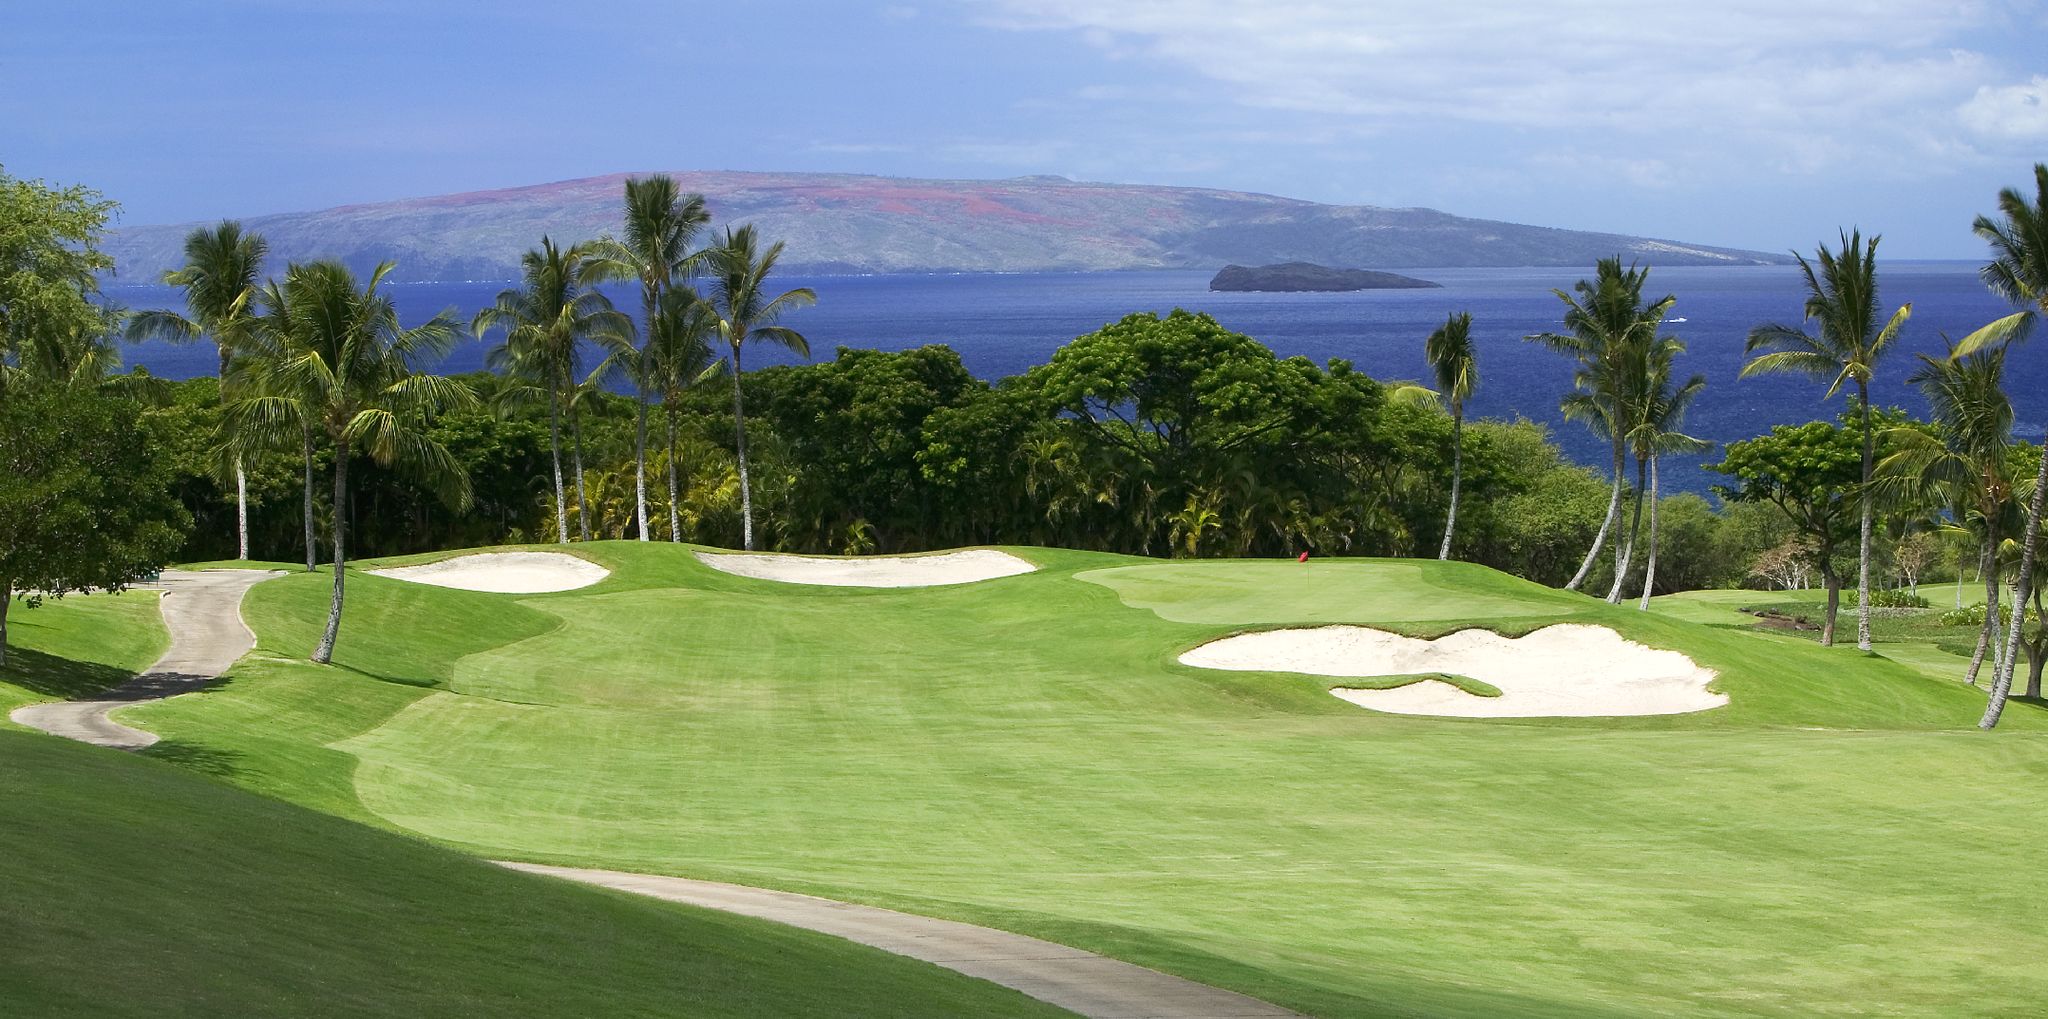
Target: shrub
[{"x": 1892, "y": 598}]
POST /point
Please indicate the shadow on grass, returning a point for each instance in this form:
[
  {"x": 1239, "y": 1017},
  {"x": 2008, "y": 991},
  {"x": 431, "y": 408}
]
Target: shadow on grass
[
  {"x": 204, "y": 759},
  {"x": 51, "y": 676}
]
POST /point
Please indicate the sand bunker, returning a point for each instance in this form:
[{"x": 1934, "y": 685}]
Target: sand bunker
[
  {"x": 876, "y": 571},
  {"x": 504, "y": 572},
  {"x": 1568, "y": 669}
]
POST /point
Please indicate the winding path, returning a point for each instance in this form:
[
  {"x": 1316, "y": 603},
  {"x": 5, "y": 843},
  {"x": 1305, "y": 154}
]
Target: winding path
[
  {"x": 1078, "y": 981},
  {"x": 202, "y": 610}
]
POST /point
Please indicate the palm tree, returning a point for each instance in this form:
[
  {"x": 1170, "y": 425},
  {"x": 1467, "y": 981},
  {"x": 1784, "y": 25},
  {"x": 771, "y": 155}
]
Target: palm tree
[
  {"x": 1841, "y": 297},
  {"x": 660, "y": 225},
  {"x": 675, "y": 357},
  {"x": 250, "y": 423},
  {"x": 2018, "y": 271},
  {"x": 1609, "y": 327},
  {"x": 219, "y": 277},
  {"x": 1966, "y": 466},
  {"x": 547, "y": 319},
  {"x": 342, "y": 361},
  {"x": 1657, "y": 432},
  {"x": 743, "y": 313},
  {"x": 1454, "y": 361}
]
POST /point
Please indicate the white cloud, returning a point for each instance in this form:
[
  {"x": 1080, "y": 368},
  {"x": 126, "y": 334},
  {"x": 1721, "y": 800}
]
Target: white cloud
[
  {"x": 2013, "y": 112},
  {"x": 1801, "y": 86}
]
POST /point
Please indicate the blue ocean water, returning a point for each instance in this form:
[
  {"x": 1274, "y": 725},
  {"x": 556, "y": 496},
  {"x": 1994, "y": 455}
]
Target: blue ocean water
[{"x": 1003, "y": 323}]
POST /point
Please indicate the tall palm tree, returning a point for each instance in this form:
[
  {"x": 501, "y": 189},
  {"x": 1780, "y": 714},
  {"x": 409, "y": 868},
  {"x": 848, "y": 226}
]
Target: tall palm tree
[
  {"x": 547, "y": 320},
  {"x": 1841, "y": 298},
  {"x": 1966, "y": 465},
  {"x": 1455, "y": 363},
  {"x": 2018, "y": 272},
  {"x": 342, "y": 361},
  {"x": 675, "y": 357},
  {"x": 1656, "y": 433},
  {"x": 252, "y": 423},
  {"x": 660, "y": 225},
  {"x": 1609, "y": 327},
  {"x": 219, "y": 278},
  {"x": 743, "y": 313}
]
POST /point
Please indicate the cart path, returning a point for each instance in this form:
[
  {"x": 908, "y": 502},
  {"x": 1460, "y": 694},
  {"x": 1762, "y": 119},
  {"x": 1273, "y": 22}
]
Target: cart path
[
  {"x": 1080, "y": 982},
  {"x": 203, "y": 612}
]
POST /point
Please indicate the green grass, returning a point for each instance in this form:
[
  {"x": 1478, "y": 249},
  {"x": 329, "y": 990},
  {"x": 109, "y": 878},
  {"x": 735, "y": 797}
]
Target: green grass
[
  {"x": 78, "y": 645},
  {"x": 1027, "y": 753},
  {"x": 138, "y": 889}
]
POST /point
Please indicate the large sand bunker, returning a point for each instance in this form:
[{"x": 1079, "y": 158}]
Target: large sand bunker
[
  {"x": 877, "y": 571},
  {"x": 1568, "y": 669},
  {"x": 504, "y": 572}
]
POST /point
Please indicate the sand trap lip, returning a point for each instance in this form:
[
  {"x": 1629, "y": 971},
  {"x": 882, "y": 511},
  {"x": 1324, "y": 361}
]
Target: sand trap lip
[
  {"x": 875, "y": 571},
  {"x": 504, "y": 572},
  {"x": 1570, "y": 669}
]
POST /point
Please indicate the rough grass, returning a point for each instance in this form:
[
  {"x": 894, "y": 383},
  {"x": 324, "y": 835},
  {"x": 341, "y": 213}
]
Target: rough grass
[{"x": 1027, "y": 753}]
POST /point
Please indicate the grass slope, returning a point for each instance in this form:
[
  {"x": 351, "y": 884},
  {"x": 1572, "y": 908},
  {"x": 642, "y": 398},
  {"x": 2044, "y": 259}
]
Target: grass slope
[
  {"x": 1027, "y": 753},
  {"x": 78, "y": 645}
]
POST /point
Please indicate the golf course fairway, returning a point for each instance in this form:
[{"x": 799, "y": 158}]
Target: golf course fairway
[{"x": 1026, "y": 753}]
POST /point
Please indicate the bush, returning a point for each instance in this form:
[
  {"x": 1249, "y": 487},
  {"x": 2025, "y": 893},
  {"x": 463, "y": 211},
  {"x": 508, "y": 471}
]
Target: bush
[
  {"x": 1892, "y": 598},
  {"x": 1968, "y": 615}
]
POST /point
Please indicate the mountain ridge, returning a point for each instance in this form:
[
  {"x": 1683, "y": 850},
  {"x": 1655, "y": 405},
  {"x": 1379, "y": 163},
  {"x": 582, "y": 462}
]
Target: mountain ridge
[{"x": 862, "y": 223}]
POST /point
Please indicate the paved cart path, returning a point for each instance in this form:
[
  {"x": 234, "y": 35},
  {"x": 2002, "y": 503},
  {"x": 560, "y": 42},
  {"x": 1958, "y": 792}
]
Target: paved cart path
[{"x": 203, "y": 611}]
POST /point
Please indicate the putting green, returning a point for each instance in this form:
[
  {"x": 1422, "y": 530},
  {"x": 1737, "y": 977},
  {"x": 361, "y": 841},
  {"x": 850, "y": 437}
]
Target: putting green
[{"x": 1029, "y": 755}]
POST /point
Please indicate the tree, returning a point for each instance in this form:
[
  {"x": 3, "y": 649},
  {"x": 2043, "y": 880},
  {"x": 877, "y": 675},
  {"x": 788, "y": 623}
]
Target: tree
[
  {"x": 1841, "y": 298},
  {"x": 674, "y": 358},
  {"x": 1453, "y": 360},
  {"x": 342, "y": 361},
  {"x": 2018, "y": 272},
  {"x": 85, "y": 497},
  {"x": 660, "y": 225},
  {"x": 1812, "y": 474},
  {"x": 1608, "y": 328},
  {"x": 744, "y": 313},
  {"x": 219, "y": 278},
  {"x": 546, "y": 321},
  {"x": 1965, "y": 464},
  {"x": 1659, "y": 415},
  {"x": 50, "y": 264}
]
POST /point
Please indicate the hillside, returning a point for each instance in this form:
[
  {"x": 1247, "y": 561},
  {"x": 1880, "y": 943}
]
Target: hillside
[{"x": 837, "y": 223}]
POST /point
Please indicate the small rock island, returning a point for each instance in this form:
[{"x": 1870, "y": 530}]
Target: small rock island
[{"x": 1303, "y": 277}]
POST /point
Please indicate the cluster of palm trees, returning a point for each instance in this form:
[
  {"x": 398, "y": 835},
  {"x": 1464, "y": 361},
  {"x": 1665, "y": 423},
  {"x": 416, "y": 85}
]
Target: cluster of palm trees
[
  {"x": 320, "y": 356},
  {"x": 558, "y": 318},
  {"x": 1625, "y": 388}
]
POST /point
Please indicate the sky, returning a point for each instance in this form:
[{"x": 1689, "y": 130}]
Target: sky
[{"x": 1766, "y": 124}]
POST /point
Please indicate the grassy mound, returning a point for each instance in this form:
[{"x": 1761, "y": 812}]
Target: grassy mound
[{"x": 1027, "y": 753}]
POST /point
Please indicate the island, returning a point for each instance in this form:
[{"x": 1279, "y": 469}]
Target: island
[{"x": 1298, "y": 277}]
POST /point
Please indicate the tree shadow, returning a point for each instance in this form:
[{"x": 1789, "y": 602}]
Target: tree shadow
[
  {"x": 52, "y": 676},
  {"x": 204, "y": 759}
]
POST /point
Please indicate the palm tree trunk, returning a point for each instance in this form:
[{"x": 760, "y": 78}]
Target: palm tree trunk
[
  {"x": 1626, "y": 553},
  {"x": 2037, "y": 650},
  {"x": 6, "y": 599},
  {"x": 1987, "y": 568},
  {"x": 324, "y": 653},
  {"x": 1863, "y": 553},
  {"x": 2025, "y": 589},
  {"x": 241, "y": 510},
  {"x": 555, "y": 450},
  {"x": 582, "y": 492},
  {"x": 675, "y": 515},
  {"x": 1606, "y": 524},
  {"x": 640, "y": 466},
  {"x": 1834, "y": 586},
  {"x": 739, "y": 424},
  {"x": 312, "y": 543},
  {"x": 1650, "y": 565},
  {"x": 1457, "y": 476}
]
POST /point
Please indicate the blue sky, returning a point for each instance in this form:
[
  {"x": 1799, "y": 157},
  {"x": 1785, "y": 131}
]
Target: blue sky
[{"x": 1754, "y": 123}]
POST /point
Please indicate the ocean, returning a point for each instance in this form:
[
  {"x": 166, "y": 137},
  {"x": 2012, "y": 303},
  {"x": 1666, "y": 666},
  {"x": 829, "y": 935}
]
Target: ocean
[{"x": 1002, "y": 324}]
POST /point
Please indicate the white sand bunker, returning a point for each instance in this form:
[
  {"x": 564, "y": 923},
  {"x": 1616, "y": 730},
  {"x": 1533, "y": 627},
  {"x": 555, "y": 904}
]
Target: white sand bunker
[
  {"x": 1568, "y": 669},
  {"x": 504, "y": 572},
  {"x": 876, "y": 571}
]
